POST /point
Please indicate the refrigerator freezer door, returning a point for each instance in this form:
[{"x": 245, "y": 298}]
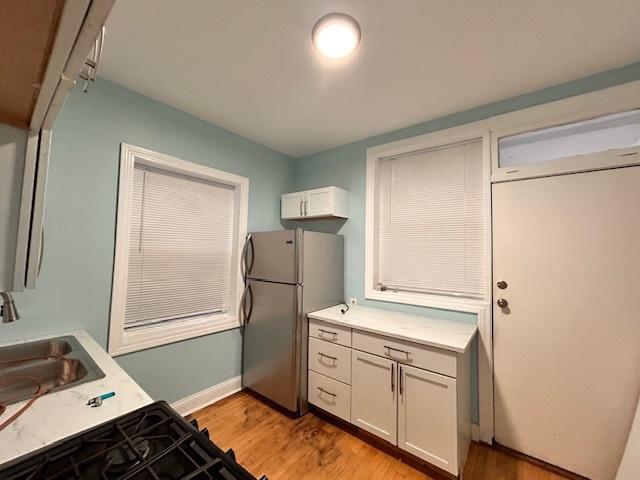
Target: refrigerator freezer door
[
  {"x": 273, "y": 256},
  {"x": 271, "y": 343}
]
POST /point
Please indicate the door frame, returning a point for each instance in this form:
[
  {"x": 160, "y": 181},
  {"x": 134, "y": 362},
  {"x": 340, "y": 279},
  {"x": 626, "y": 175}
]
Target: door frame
[{"x": 580, "y": 107}]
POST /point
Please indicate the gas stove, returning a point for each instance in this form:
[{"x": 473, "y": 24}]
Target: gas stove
[{"x": 153, "y": 442}]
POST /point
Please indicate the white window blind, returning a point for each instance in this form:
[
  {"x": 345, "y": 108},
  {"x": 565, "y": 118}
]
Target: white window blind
[
  {"x": 180, "y": 248},
  {"x": 430, "y": 222}
]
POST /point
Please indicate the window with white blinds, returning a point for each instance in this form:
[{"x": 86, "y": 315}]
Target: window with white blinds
[
  {"x": 430, "y": 223},
  {"x": 179, "y": 233},
  {"x": 180, "y": 248}
]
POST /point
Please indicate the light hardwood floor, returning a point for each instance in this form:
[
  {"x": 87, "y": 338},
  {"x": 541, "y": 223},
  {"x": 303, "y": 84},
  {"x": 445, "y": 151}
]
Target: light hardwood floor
[{"x": 268, "y": 442}]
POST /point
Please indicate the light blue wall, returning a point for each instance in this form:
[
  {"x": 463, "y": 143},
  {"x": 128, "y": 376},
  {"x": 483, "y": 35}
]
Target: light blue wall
[
  {"x": 75, "y": 285},
  {"x": 345, "y": 167}
]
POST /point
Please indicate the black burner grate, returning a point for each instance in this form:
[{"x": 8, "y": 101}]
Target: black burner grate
[{"x": 152, "y": 443}]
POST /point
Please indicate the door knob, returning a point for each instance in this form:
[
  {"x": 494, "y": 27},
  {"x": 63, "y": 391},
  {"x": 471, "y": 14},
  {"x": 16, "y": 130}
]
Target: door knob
[
  {"x": 501, "y": 284},
  {"x": 502, "y": 303}
]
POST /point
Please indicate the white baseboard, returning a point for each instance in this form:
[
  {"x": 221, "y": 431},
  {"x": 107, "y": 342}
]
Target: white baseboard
[
  {"x": 208, "y": 396},
  {"x": 475, "y": 432}
]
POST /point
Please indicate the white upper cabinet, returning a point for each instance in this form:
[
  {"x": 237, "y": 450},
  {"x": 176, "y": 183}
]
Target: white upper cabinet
[
  {"x": 326, "y": 202},
  {"x": 292, "y": 205}
]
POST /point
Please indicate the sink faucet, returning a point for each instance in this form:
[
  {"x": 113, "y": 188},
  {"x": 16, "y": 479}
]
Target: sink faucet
[{"x": 8, "y": 310}]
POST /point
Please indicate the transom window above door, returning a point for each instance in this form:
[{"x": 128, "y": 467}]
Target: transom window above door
[{"x": 575, "y": 145}]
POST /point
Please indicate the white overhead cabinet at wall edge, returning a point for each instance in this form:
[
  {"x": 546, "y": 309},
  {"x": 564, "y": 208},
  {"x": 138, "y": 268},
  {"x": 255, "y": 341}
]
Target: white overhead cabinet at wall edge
[{"x": 325, "y": 202}]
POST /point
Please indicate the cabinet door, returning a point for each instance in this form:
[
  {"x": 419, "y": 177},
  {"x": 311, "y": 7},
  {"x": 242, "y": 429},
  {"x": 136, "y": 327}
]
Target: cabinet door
[
  {"x": 13, "y": 146},
  {"x": 292, "y": 205},
  {"x": 319, "y": 202},
  {"x": 427, "y": 424},
  {"x": 373, "y": 395}
]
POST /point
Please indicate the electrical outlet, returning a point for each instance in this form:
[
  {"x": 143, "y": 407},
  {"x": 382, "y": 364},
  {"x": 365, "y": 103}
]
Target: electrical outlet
[{"x": 353, "y": 301}]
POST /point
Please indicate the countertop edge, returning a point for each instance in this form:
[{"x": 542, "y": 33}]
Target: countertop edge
[{"x": 442, "y": 346}]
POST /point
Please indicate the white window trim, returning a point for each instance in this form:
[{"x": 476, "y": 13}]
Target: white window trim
[
  {"x": 431, "y": 140},
  {"x": 120, "y": 341}
]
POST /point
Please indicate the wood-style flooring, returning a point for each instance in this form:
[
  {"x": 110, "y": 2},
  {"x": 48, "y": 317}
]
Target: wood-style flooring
[{"x": 267, "y": 442}]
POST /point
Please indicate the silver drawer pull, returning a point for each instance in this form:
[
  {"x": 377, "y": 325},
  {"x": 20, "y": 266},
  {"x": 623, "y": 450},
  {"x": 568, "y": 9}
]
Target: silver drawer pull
[
  {"x": 327, "y": 392},
  {"x": 335, "y": 359},
  {"x": 396, "y": 350},
  {"x": 328, "y": 332}
]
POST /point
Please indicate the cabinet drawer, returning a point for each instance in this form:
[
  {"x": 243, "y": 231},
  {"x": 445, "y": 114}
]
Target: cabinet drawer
[
  {"x": 330, "y": 359},
  {"x": 421, "y": 356},
  {"x": 330, "y": 395},
  {"x": 329, "y": 332}
]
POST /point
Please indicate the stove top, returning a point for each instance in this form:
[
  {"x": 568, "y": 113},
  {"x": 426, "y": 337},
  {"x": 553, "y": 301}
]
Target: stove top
[{"x": 153, "y": 442}]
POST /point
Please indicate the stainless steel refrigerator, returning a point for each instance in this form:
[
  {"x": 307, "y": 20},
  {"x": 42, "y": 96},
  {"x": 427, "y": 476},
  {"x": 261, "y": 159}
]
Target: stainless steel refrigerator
[{"x": 288, "y": 274}]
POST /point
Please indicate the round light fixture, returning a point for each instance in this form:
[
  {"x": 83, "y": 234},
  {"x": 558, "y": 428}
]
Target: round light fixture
[{"x": 336, "y": 35}]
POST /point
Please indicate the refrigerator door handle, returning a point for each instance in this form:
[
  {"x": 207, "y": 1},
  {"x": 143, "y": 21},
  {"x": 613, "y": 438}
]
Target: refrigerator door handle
[
  {"x": 248, "y": 294},
  {"x": 244, "y": 266},
  {"x": 253, "y": 253},
  {"x": 243, "y": 299}
]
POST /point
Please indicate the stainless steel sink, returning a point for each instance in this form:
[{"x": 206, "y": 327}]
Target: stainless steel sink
[
  {"x": 56, "y": 363},
  {"x": 50, "y": 348}
]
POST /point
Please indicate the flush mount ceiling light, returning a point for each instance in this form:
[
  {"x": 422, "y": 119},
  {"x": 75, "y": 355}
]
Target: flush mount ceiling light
[{"x": 336, "y": 35}]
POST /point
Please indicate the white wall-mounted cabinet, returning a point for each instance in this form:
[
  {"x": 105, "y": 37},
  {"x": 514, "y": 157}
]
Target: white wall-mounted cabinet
[
  {"x": 414, "y": 396},
  {"x": 25, "y": 124},
  {"x": 24, "y": 158},
  {"x": 325, "y": 202}
]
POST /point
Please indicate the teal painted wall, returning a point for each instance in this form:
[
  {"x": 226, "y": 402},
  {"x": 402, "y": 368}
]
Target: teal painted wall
[
  {"x": 75, "y": 285},
  {"x": 345, "y": 167}
]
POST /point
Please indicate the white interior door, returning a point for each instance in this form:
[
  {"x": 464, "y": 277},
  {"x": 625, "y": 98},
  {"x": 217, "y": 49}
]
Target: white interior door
[
  {"x": 373, "y": 395},
  {"x": 567, "y": 346}
]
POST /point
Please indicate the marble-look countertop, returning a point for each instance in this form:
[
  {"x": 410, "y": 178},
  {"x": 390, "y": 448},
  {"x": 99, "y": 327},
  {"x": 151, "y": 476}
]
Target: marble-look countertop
[
  {"x": 445, "y": 334},
  {"x": 60, "y": 414}
]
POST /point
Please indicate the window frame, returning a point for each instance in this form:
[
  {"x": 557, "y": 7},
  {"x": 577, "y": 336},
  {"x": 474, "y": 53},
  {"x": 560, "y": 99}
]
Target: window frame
[
  {"x": 570, "y": 164},
  {"x": 121, "y": 341},
  {"x": 456, "y": 135}
]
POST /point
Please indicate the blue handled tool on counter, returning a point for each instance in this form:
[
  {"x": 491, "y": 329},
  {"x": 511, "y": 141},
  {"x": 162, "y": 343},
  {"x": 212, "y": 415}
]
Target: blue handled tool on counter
[{"x": 97, "y": 401}]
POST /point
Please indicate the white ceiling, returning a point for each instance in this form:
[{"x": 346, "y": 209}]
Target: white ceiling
[{"x": 249, "y": 66}]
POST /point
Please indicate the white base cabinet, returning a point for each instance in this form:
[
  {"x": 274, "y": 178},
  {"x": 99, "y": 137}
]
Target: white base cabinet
[
  {"x": 373, "y": 395},
  {"x": 413, "y": 396},
  {"x": 330, "y": 395},
  {"x": 427, "y": 425}
]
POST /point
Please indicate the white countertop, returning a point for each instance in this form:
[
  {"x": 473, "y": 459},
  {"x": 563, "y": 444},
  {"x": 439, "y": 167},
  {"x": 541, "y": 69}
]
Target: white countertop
[
  {"x": 445, "y": 334},
  {"x": 60, "y": 414}
]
